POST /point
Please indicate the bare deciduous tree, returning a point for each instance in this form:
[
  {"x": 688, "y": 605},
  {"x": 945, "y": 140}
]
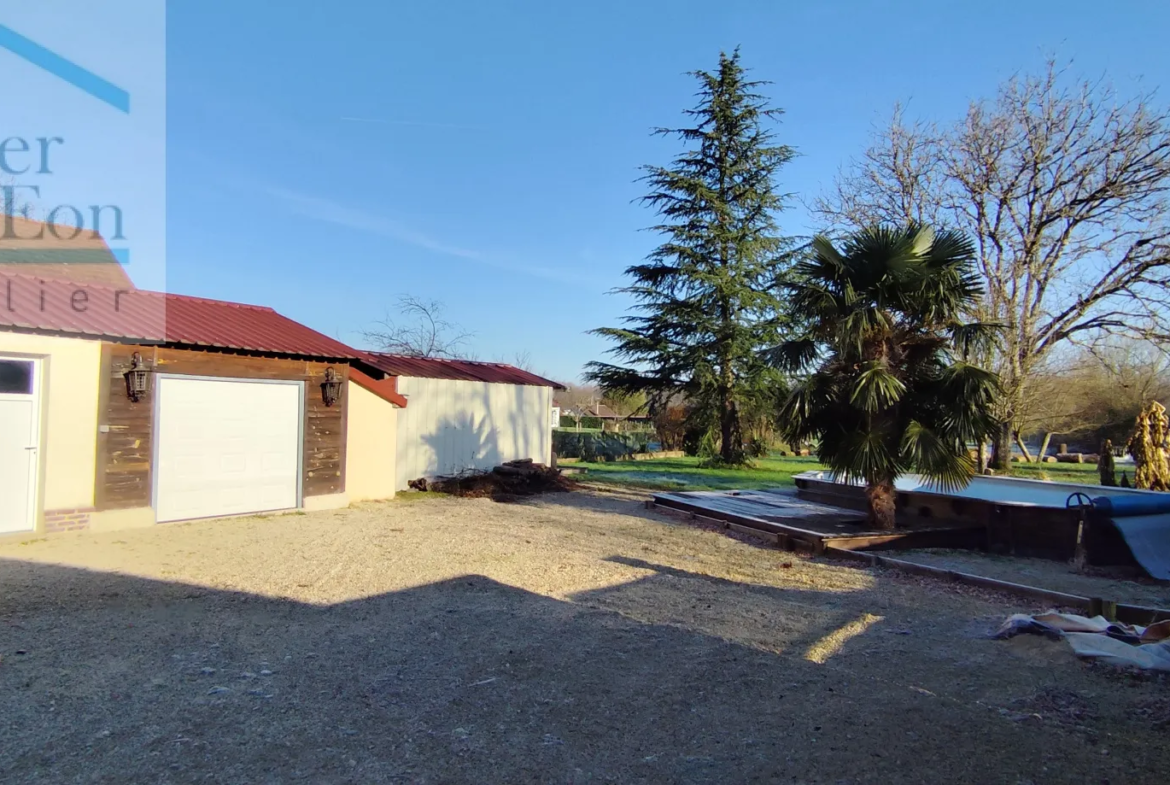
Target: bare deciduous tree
[
  {"x": 1058, "y": 400},
  {"x": 1094, "y": 393},
  {"x": 1063, "y": 186},
  {"x": 420, "y": 331},
  {"x": 522, "y": 360}
]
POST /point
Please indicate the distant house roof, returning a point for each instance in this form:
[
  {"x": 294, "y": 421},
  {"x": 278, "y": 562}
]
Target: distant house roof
[
  {"x": 465, "y": 370},
  {"x": 73, "y": 308},
  {"x": 34, "y": 248},
  {"x": 601, "y": 411}
]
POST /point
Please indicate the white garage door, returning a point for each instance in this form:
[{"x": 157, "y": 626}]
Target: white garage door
[{"x": 226, "y": 447}]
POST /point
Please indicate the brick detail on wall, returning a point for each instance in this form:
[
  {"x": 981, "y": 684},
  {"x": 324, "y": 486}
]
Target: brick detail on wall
[{"x": 66, "y": 520}]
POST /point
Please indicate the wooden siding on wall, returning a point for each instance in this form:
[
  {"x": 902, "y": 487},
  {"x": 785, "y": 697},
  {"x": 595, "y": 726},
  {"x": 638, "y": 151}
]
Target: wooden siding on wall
[{"x": 125, "y": 452}]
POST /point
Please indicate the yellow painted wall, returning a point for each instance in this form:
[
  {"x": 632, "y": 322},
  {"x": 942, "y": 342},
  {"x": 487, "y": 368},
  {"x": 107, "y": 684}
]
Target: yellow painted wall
[
  {"x": 371, "y": 443},
  {"x": 70, "y": 368}
]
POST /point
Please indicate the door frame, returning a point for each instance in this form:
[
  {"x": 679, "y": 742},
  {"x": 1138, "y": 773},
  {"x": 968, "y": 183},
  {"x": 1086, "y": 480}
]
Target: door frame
[
  {"x": 34, "y": 490},
  {"x": 156, "y": 430}
]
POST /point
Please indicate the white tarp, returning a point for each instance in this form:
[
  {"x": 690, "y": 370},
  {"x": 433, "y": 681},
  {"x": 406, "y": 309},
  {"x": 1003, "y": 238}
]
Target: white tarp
[{"x": 1098, "y": 638}]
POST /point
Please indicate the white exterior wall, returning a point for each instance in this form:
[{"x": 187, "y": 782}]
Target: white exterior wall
[{"x": 449, "y": 426}]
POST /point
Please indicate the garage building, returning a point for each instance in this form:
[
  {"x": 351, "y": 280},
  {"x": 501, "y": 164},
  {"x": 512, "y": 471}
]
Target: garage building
[
  {"x": 465, "y": 415},
  {"x": 121, "y": 407}
]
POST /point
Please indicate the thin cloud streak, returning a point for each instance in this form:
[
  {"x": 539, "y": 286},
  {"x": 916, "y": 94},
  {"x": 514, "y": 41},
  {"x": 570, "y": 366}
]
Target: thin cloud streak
[
  {"x": 360, "y": 220},
  {"x": 412, "y": 123}
]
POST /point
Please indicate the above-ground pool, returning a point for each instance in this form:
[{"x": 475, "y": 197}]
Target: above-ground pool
[
  {"x": 1002, "y": 490},
  {"x": 1031, "y": 517}
]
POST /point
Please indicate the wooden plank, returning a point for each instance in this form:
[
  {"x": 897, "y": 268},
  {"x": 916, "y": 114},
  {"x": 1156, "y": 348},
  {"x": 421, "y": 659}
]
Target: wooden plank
[
  {"x": 125, "y": 461},
  {"x": 126, "y": 452},
  {"x": 952, "y": 537},
  {"x": 777, "y": 539},
  {"x": 1129, "y": 614},
  {"x": 759, "y": 524}
]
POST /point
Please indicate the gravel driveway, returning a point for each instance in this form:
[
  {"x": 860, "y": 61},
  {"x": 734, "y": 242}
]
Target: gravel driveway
[{"x": 573, "y": 638}]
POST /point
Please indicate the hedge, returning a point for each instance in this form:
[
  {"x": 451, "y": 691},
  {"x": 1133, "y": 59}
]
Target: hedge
[
  {"x": 588, "y": 423},
  {"x": 598, "y": 446}
]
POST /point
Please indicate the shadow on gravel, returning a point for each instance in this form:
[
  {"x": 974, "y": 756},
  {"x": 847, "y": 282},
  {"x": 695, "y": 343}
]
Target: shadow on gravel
[{"x": 112, "y": 678}]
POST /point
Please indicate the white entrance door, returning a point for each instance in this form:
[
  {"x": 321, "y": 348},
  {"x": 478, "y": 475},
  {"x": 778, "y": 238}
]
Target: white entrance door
[
  {"x": 226, "y": 447},
  {"x": 18, "y": 444}
]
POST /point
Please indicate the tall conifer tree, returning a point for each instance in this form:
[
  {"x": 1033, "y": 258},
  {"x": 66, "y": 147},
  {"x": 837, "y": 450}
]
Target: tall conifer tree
[{"x": 706, "y": 297}]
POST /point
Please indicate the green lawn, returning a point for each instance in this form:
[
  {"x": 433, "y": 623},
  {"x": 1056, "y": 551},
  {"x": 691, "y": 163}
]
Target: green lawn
[
  {"x": 685, "y": 473},
  {"x": 1084, "y": 473},
  {"x": 666, "y": 474}
]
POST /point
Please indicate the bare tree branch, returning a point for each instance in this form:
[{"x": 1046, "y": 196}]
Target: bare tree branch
[
  {"x": 420, "y": 331},
  {"x": 1063, "y": 186}
]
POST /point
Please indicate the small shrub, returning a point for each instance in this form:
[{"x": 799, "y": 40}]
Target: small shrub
[
  {"x": 691, "y": 441},
  {"x": 757, "y": 448},
  {"x": 587, "y": 423}
]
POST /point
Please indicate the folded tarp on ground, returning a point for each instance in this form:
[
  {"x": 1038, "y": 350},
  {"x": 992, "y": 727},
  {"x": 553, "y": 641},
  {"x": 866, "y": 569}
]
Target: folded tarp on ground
[{"x": 1098, "y": 638}]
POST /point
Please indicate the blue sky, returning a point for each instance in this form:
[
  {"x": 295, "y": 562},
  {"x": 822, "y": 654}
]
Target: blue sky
[{"x": 325, "y": 158}]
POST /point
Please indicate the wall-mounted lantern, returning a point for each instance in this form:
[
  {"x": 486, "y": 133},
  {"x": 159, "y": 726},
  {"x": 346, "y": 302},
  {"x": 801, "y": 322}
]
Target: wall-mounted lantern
[
  {"x": 331, "y": 387},
  {"x": 137, "y": 378}
]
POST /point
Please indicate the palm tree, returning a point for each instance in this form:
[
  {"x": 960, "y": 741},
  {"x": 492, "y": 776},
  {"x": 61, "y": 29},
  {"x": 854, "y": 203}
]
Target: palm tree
[{"x": 888, "y": 389}]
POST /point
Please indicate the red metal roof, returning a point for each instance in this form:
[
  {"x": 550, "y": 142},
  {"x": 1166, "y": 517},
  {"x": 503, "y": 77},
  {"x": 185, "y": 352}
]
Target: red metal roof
[
  {"x": 90, "y": 309},
  {"x": 466, "y": 370}
]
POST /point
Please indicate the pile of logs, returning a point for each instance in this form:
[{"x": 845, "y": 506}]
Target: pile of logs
[
  {"x": 1064, "y": 457},
  {"x": 1076, "y": 457},
  {"x": 506, "y": 482}
]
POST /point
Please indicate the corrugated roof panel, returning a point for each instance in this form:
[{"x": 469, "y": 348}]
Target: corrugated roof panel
[
  {"x": 465, "y": 370},
  {"x": 103, "y": 311}
]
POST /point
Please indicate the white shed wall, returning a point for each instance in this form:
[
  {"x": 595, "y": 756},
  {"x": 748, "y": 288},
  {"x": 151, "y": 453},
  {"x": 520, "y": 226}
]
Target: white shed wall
[{"x": 449, "y": 426}]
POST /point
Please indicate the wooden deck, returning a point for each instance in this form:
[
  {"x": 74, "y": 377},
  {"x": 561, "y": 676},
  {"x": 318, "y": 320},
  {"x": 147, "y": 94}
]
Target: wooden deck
[{"x": 796, "y": 523}]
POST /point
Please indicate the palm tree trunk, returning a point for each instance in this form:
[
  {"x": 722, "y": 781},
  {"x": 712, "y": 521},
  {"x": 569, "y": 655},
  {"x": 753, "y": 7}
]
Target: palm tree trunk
[{"x": 880, "y": 497}]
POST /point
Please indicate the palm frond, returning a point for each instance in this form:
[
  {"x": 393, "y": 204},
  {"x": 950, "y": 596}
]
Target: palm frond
[
  {"x": 974, "y": 338},
  {"x": 876, "y": 388},
  {"x": 792, "y": 356},
  {"x": 944, "y": 462}
]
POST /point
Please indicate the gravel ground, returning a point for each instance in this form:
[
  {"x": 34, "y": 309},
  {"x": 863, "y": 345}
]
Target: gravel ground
[
  {"x": 574, "y": 638},
  {"x": 1109, "y": 584}
]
